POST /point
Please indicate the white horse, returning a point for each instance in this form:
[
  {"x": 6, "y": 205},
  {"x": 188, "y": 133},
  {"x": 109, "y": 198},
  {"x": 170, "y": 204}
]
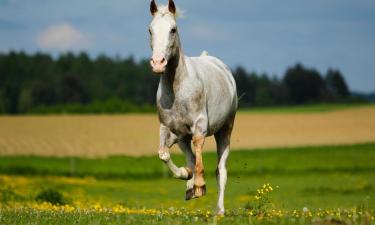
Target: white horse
[{"x": 196, "y": 98}]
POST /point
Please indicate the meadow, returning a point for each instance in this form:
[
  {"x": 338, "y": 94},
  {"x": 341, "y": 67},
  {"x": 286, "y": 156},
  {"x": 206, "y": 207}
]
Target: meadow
[
  {"x": 304, "y": 185},
  {"x": 102, "y": 169}
]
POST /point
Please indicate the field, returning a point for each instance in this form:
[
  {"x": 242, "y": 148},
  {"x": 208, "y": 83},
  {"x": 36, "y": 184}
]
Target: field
[
  {"x": 74, "y": 170},
  {"x": 137, "y": 135},
  {"x": 309, "y": 184}
]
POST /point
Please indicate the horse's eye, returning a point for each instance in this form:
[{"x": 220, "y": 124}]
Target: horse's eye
[
  {"x": 173, "y": 31},
  {"x": 149, "y": 30}
]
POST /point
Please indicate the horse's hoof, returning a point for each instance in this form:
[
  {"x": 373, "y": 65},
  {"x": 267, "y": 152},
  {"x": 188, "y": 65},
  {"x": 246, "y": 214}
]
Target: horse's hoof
[
  {"x": 220, "y": 212},
  {"x": 189, "y": 194},
  {"x": 199, "y": 191}
]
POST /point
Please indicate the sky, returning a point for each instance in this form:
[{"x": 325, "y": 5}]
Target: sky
[{"x": 261, "y": 35}]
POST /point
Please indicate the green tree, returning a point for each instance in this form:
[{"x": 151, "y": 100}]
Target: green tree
[
  {"x": 304, "y": 85},
  {"x": 79, "y": 84},
  {"x": 246, "y": 86},
  {"x": 336, "y": 84},
  {"x": 71, "y": 90}
]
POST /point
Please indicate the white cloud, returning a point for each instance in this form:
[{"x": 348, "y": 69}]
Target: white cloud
[{"x": 62, "y": 37}]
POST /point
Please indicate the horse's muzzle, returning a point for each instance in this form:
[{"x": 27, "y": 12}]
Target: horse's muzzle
[{"x": 158, "y": 64}]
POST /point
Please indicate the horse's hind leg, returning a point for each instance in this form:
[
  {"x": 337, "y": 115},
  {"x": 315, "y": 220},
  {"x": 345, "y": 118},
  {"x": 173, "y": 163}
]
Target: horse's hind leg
[
  {"x": 222, "y": 138},
  {"x": 185, "y": 146},
  {"x": 167, "y": 139}
]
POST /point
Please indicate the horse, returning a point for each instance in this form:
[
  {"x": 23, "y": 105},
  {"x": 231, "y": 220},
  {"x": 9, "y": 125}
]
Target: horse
[{"x": 196, "y": 98}]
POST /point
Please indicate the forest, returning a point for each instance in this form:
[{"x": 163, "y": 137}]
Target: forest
[{"x": 77, "y": 83}]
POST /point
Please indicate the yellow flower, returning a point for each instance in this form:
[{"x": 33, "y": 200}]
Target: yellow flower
[{"x": 68, "y": 208}]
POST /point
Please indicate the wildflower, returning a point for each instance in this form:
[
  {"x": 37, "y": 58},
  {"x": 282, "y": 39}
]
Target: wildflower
[
  {"x": 218, "y": 217},
  {"x": 68, "y": 208}
]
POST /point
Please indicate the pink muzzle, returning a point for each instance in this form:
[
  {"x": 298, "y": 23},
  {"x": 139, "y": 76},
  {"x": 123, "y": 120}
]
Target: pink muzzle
[{"x": 158, "y": 64}]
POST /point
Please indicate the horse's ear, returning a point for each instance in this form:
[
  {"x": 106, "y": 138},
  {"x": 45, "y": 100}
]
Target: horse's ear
[
  {"x": 153, "y": 7},
  {"x": 171, "y": 7}
]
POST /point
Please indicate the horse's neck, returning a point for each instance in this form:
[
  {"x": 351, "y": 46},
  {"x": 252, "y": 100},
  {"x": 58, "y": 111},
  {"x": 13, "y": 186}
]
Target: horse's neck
[{"x": 172, "y": 79}]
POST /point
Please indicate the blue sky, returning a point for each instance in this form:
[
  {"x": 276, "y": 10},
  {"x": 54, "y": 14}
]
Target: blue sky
[{"x": 261, "y": 35}]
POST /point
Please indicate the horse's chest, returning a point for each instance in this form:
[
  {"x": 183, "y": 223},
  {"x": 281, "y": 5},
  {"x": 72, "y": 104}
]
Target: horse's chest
[{"x": 177, "y": 121}]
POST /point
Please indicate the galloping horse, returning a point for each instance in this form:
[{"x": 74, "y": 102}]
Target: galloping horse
[{"x": 196, "y": 98}]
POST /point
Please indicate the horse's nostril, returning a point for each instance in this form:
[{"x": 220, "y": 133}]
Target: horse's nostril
[{"x": 158, "y": 61}]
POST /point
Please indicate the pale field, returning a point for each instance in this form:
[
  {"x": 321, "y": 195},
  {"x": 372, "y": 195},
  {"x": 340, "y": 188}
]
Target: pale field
[{"x": 94, "y": 136}]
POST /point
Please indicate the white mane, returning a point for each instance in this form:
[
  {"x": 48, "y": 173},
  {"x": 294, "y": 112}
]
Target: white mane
[{"x": 163, "y": 10}]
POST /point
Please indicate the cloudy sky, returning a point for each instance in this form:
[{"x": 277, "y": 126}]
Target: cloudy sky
[{"x": 261, "y": 35}]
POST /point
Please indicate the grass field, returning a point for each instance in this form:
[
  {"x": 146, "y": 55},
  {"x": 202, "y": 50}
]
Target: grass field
[
  {"x": 103, "y": 135},
  {"x": 310, "y": 185},
  {"x": 71, "y": 169}
]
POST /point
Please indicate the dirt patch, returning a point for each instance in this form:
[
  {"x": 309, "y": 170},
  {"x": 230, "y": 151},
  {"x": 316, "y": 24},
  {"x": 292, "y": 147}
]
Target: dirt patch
[{"x": 138, "y": 134}]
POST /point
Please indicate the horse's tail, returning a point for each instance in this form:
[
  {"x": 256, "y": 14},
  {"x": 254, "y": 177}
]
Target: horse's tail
[{"x": 241, "y": 96}]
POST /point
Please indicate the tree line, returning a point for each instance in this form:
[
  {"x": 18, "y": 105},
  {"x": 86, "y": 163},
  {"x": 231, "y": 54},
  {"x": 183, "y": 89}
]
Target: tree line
[
  {"x": 299, "y": 85},
  {"x": 75, "y": 83}
]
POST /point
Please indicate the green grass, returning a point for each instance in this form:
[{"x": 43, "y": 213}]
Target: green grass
[
  {"x": 30, "y": 216},
  {"x": 275, "y": 161},
  {"x": 310, "y": 108},
  {"x": 326, "y": 177}
]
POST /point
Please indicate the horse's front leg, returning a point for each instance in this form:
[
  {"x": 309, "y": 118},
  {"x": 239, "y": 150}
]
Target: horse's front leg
[{"x": 167, "y": 139}]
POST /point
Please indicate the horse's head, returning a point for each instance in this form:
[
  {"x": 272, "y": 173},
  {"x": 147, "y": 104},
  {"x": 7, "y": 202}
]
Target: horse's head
[{"x": 163, "y": 35}]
